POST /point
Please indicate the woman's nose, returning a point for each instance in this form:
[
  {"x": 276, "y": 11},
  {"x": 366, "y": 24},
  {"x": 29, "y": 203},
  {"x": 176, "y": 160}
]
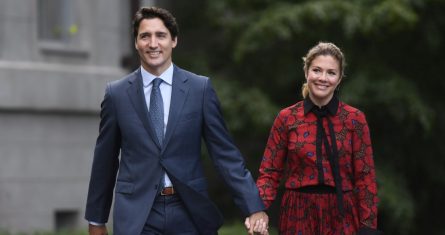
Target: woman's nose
[{"x": 323, "y": 76}]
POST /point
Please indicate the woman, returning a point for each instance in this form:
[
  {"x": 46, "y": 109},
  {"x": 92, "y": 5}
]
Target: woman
[{"x": 321, "y": 148}]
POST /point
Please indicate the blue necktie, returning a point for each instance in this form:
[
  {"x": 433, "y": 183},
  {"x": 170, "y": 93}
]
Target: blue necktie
[{"x": 157, "y": 110}]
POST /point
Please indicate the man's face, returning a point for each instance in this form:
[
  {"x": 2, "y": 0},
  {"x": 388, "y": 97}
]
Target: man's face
[{"x": 154, "y": 44}]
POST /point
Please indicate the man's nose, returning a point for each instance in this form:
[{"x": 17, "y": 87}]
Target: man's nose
[{"x": 153, "y": 42}]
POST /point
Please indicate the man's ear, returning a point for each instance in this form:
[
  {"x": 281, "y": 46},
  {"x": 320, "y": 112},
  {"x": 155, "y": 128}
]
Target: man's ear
[{"x": 175, "y": 41}]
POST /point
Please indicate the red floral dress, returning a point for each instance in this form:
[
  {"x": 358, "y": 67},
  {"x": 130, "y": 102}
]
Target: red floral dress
[{"x": 291, "y": 152}]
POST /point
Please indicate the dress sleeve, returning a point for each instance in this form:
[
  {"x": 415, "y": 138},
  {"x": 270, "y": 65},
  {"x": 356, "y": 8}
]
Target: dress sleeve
[
  {"x": 365, "y": 186},
  {"x": 273, "y": 161}
]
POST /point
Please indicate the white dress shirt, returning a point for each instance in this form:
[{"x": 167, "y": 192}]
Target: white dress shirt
[{"x": 166, "y": 92}]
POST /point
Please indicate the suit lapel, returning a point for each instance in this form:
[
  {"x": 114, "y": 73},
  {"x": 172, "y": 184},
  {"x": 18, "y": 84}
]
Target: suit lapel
[
  {"x": 137, "y": 97},
  {"x": 179, "y": 95}
]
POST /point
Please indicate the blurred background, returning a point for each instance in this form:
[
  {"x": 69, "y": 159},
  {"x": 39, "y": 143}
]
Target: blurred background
[{"x": 57, "y": 55}]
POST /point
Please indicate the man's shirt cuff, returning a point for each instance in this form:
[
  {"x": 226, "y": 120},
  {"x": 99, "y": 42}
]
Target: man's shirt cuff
[{"x": 96, "y": 224}]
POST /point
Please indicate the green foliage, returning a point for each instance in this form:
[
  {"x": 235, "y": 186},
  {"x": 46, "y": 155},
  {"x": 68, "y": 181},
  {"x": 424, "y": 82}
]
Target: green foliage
[
  {"x": 400, "y": 98},
  {"x": 283, "y": 21},
  {"x": 246, "y": 110},
  {"x": 396, "y": 201}
]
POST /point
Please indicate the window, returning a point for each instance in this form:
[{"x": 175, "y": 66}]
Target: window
[
  {"x": 66, "y": 219},
  {"x": 58, "y": 21},
  {"x": 61, "y": 30}
]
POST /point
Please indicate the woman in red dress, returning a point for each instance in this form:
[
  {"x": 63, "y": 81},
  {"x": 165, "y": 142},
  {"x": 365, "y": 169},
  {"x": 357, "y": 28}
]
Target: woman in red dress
[{"x": 321, "y": 148}]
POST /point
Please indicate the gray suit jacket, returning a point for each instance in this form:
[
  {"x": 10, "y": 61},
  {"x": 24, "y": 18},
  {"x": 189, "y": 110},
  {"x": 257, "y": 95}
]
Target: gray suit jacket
[{"x": 135, "y": 176}]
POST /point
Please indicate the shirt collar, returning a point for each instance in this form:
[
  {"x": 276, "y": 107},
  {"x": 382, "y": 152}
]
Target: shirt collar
[
  {"x": 166, "y": 76},
  {"x": 331, "y": 107}
]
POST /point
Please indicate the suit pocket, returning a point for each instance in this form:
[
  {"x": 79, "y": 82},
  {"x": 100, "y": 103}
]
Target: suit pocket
[{"x": 124, "y": 187}]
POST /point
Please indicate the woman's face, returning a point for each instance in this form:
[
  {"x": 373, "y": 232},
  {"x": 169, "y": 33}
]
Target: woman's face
[{"x": 323, "y": 76}]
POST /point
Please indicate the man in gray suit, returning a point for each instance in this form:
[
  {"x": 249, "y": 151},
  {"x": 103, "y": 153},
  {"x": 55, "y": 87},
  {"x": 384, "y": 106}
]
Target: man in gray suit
[{"x": 155, "y": 119}]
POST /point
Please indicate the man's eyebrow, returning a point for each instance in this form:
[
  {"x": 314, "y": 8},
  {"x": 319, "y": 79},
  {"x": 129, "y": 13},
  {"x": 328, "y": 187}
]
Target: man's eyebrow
[{"x": 144, "y": 33}]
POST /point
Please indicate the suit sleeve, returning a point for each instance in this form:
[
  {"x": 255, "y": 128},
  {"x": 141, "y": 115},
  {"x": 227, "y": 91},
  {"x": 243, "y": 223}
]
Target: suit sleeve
[
  {"x": 364, "y": 173},
  {"x": 105, "y": 163},
  {"x": 227, "y": 157}
]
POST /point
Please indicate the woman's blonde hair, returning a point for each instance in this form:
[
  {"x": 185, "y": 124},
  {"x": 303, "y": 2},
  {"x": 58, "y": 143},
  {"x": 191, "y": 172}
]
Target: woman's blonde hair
[{"x": 322, "y": 48}]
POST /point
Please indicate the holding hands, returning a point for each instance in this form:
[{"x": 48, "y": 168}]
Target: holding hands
[{"x": 257, "y": 223}]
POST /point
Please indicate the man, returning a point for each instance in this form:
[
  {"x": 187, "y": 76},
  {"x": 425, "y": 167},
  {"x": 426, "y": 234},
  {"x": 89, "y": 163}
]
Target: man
[{"x": 155, "y": 118}]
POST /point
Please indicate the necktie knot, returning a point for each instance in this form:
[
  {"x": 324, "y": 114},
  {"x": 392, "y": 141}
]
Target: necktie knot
[{"x": 157, "y": 82}]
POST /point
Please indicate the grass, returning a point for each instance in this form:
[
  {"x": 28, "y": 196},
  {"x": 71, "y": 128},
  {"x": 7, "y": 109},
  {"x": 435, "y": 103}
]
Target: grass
[
  {"x": 4, "y": 232},
  {"x": 239, "y": 229},
  {"x": 227, "y": 229}
]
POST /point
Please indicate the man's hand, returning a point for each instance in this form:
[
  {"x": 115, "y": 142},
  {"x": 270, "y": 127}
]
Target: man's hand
[
  {"x": 97, "y": 229},
  {"x": 257, "y": 223}
]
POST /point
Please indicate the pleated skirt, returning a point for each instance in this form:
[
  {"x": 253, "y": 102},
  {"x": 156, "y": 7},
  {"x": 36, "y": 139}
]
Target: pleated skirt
[{"x": 303, "y": 213}]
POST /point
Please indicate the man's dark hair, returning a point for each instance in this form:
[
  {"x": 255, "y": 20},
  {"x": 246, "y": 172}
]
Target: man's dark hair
[{"x": 155, "y": 12}]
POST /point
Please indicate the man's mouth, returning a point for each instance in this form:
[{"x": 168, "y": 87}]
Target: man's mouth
[{"x": 154, "y": 53}]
